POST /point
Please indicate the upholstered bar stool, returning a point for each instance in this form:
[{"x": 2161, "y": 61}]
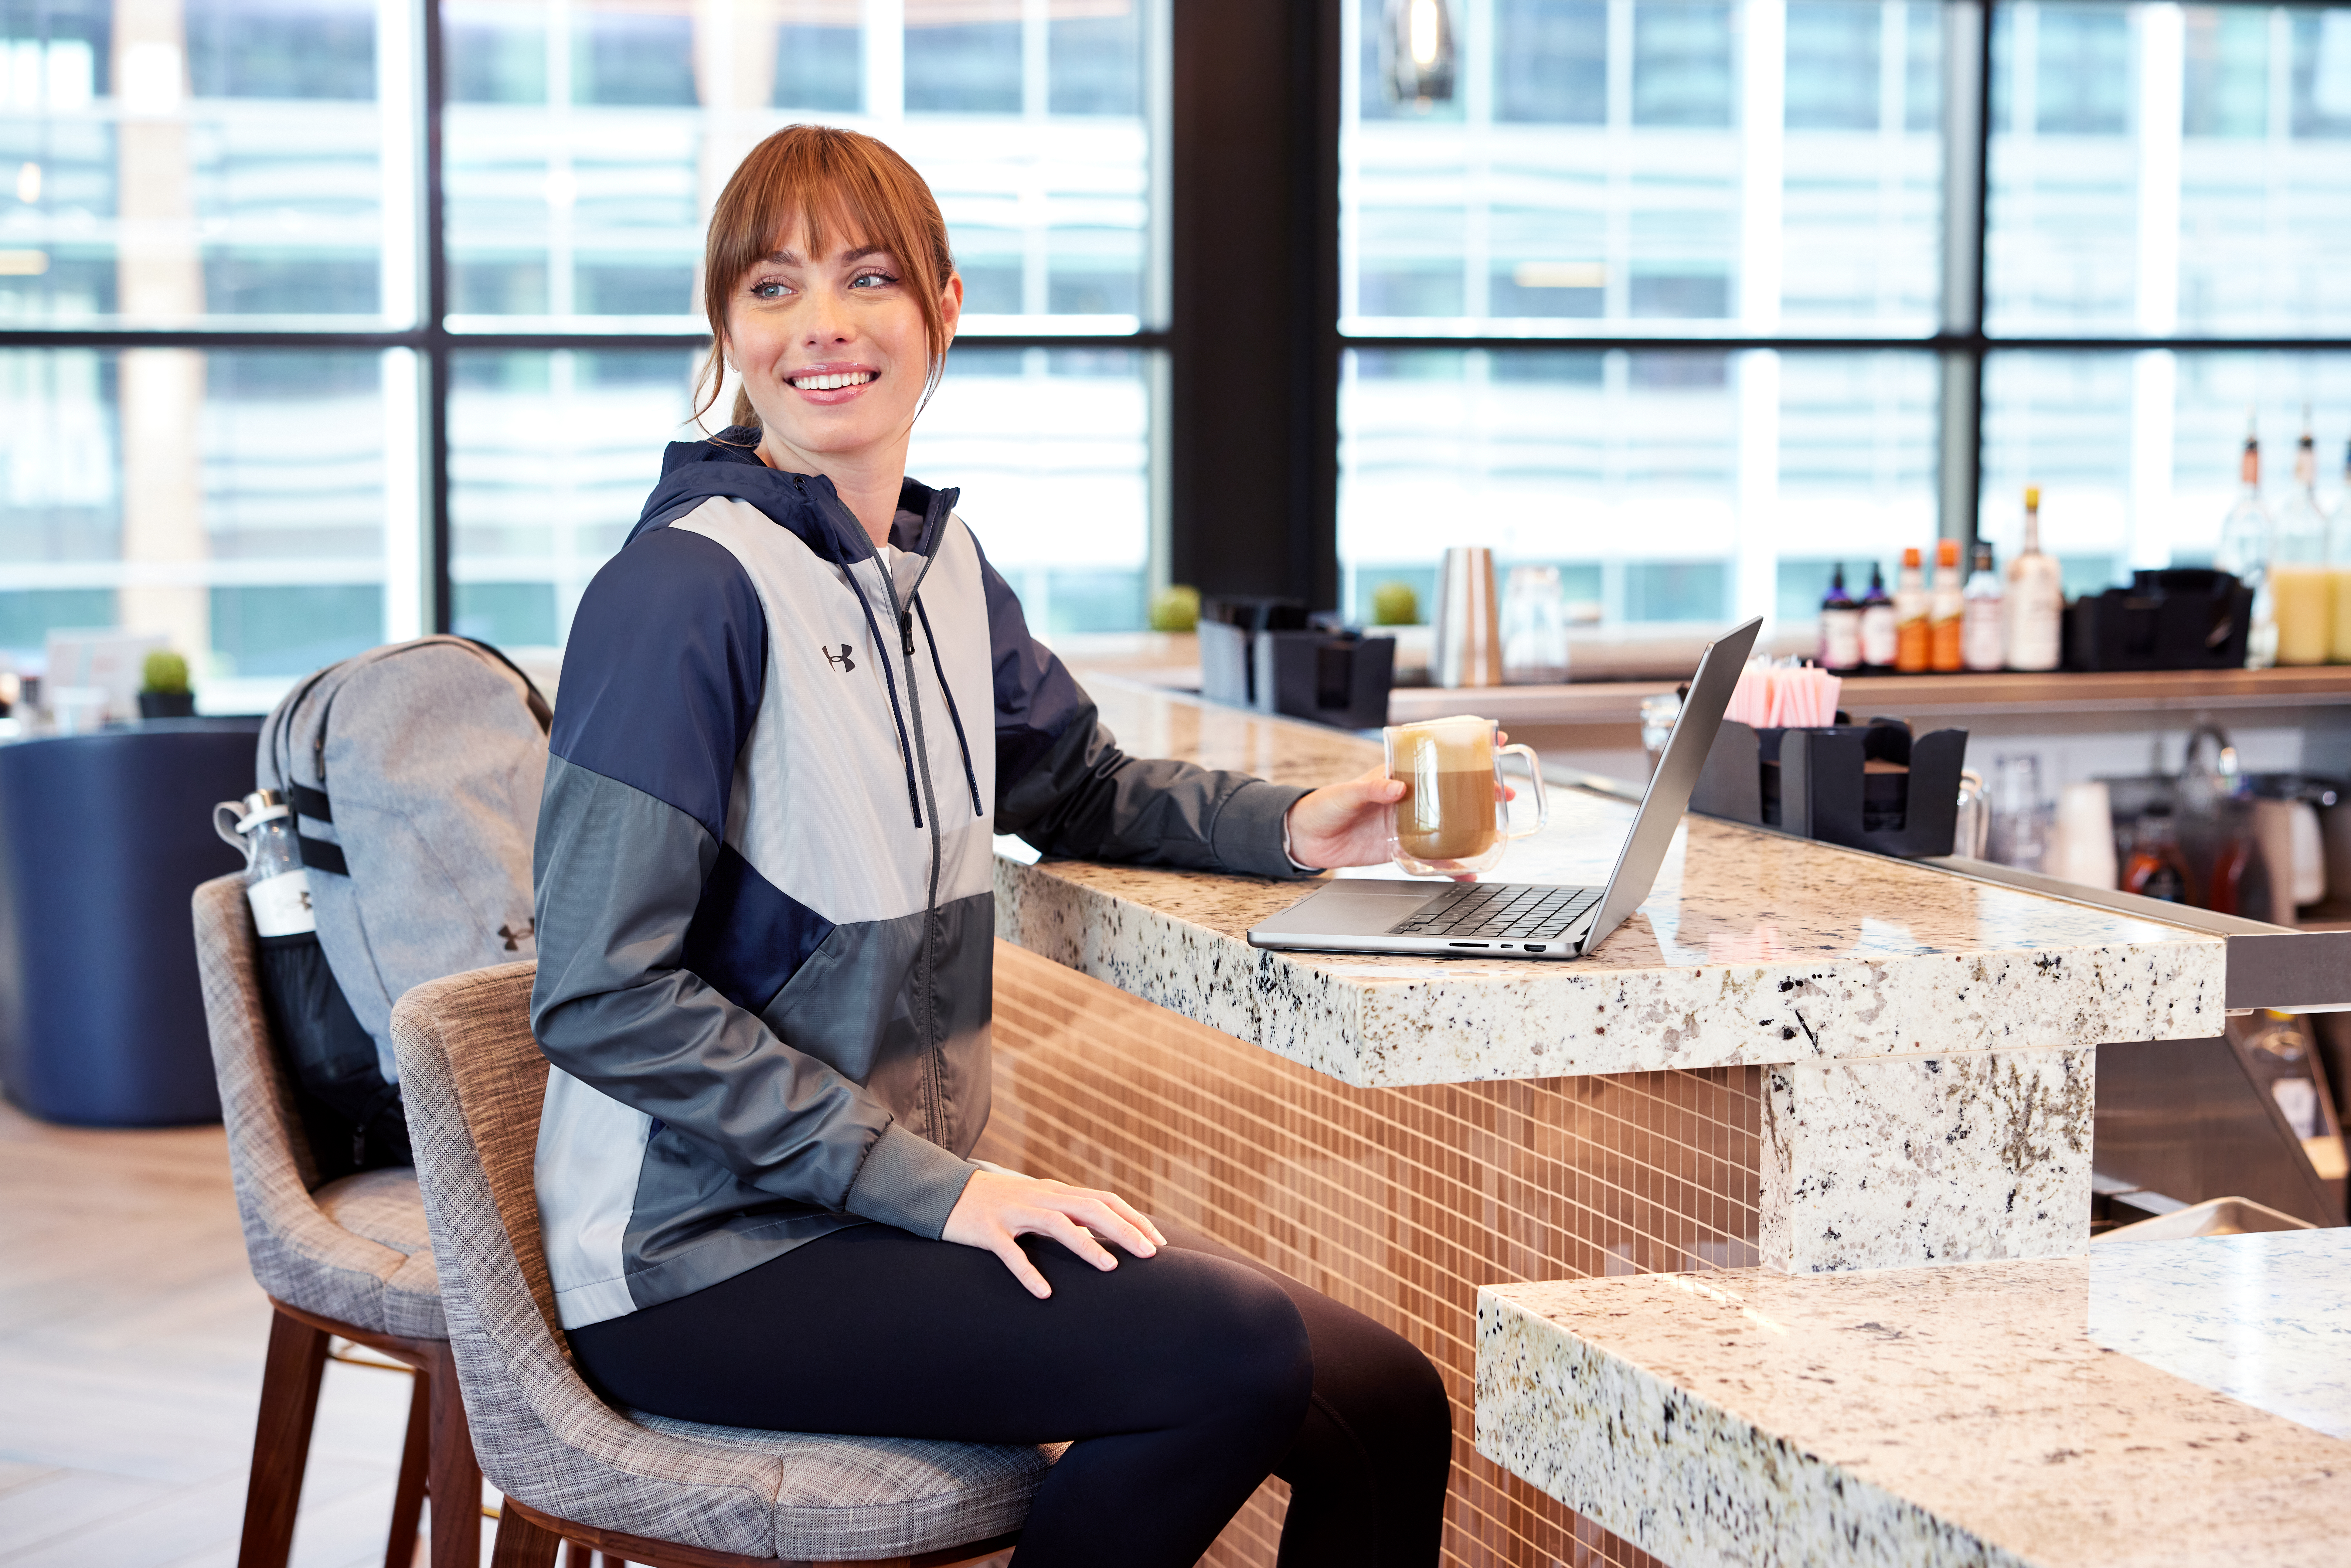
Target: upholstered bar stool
[
  {"x": 351, "y": 1257},
  {"x": 647, "y": 1489}
]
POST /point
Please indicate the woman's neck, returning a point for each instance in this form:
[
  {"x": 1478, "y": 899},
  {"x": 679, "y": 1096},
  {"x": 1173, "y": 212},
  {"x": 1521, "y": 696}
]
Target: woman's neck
[{"x": 868, "y": 482}]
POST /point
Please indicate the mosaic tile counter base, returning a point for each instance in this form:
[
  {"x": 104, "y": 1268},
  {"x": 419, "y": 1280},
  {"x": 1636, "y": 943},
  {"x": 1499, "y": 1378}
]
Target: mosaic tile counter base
[{"x": 1399, "y": 1202}]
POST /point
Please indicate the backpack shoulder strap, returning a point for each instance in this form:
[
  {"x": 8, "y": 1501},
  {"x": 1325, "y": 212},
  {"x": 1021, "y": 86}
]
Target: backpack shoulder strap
[{"x": 531, "y": 699}]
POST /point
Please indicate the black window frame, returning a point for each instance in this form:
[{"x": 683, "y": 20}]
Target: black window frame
[
  {"x": 1220, "y": 533},
  {"x": 1252, "y": 339},
  {"x": 437, "y": 346}
]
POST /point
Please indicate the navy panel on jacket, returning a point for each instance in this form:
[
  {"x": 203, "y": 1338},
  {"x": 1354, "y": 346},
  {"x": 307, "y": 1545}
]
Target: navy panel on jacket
[
  {"x": 1037, "y": 698},
  {"x": 748, "y": 937},
  {"x": 661, "y": 676}
]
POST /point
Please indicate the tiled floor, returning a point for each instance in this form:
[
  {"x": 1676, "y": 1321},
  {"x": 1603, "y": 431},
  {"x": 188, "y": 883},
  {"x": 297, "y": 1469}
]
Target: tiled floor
[{"x": 130, "y": 1346}]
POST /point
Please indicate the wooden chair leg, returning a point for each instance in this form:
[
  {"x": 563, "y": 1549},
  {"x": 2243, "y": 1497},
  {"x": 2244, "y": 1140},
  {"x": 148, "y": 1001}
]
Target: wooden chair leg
[
  {"x": 522, "y": 1544},
  {"x": 281, "y": 1440},
  {"x": 456, "y": 1482},
  {"x": 408, "y": 1495}
]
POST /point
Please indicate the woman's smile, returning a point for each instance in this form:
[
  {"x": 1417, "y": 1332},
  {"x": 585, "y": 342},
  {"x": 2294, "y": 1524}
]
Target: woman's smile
[{"x": 830, "y": 384}]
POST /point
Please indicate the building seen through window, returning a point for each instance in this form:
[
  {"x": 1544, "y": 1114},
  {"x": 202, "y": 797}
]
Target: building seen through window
[
  {"x": 1660, "y": 295},
  {"x": 254, "y": 164},
  {"x": 1655, "y": 171}
]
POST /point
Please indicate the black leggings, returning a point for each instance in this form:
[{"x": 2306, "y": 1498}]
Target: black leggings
[{"x": 1185, "y": 1379}]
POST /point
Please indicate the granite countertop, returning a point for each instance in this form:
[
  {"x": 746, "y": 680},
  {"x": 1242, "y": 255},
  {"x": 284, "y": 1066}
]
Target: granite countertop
[
  {"x": 1751, "y": 948},
  {"x": 2156, "y": 1402}
]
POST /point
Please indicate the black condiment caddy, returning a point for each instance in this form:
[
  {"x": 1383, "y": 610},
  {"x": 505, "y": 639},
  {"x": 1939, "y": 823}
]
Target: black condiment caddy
[
  {"x": 1271, "y": 655},
  {"x": 2183, "y": 618},
  {"x": 1818, "y": 783}
]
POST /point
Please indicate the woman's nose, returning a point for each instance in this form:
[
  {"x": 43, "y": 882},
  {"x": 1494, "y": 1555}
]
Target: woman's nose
[{"x": 827, "y": 319}]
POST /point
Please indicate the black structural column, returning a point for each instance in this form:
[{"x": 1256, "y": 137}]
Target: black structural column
[{"x": 1254, "y": 432}]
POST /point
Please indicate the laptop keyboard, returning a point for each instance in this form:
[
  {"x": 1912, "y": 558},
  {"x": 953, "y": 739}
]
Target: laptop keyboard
[{"x": 1499, "y": 911}]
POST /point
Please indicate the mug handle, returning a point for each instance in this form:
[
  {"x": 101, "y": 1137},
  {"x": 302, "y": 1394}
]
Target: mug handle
[
  {"x": 1534, "y": 776},
  {"x": 225, "y": 816}
]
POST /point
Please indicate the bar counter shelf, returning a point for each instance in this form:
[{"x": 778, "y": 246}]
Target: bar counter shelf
[{"x": 1793, "y": 1059}]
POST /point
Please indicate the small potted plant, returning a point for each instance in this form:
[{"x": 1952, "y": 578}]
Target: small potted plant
[
  {"x": 1395, "y": 605},
  {"x": 1175, "y": 609},
  {"x": 164, "y": 693}
]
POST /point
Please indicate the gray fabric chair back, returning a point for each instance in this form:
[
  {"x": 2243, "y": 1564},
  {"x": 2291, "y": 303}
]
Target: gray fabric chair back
[
  {"x": 354, "y": 1251},
  {"x": 474, "y": 1079}
]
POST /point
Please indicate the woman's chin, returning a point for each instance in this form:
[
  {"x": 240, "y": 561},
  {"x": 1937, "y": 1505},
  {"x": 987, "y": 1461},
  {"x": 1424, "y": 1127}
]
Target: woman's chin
[{"x": 836, "y": 438}]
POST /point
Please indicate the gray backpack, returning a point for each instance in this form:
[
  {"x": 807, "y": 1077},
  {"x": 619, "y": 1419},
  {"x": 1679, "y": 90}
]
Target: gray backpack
[{"x": 415, "y": 772}]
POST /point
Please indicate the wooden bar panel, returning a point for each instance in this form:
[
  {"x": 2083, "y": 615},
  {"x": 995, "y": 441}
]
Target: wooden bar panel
[{"x": 1400, "y": 1202}]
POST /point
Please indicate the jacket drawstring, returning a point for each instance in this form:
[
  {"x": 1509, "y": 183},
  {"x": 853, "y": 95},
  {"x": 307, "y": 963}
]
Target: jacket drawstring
[
  {"x": 970, "y": 774},
  {"x": 881, "y": 648}
]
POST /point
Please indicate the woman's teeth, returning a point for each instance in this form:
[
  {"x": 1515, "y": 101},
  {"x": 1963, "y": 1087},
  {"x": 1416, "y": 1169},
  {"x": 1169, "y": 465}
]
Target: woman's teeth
[{"x": 831, "y": 383}]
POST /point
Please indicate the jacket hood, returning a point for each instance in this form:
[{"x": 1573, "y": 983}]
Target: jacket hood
[{"x": 726, "y": 465}]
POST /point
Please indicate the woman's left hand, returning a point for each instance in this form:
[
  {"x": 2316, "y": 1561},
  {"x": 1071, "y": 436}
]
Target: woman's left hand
[{"x": 1347, "y": 824}]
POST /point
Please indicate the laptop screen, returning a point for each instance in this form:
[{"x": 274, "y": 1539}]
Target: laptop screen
[{"x": 1669, "y": 794}]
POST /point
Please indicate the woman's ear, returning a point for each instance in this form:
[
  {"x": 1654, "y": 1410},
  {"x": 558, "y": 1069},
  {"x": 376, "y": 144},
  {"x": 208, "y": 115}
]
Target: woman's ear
[{"x": 951, "y": 304}]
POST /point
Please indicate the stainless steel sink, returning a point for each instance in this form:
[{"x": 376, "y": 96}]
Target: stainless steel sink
[{"x": 2213, "y": 1217}]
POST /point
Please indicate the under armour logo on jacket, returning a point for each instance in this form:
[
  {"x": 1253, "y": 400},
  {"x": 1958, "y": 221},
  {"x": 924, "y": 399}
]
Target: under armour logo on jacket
[{"x": 840, "y": 661}]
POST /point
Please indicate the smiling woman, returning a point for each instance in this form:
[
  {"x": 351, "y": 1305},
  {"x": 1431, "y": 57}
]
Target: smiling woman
[
  {"x": 832, "y": 293},
  {"x": 765, "y": 917}
]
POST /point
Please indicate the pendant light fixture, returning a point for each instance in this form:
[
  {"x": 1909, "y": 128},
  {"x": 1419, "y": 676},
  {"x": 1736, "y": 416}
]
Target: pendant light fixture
[{"x": 1416, "y": 52}]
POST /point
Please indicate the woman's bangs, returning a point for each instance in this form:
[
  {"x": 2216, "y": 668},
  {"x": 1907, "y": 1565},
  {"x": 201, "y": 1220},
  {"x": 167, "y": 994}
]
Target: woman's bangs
[{"x": 824, "y": 207}]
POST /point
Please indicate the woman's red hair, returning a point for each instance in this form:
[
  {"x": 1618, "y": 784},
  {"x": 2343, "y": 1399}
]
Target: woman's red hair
[{"x": 824, "y": 182}]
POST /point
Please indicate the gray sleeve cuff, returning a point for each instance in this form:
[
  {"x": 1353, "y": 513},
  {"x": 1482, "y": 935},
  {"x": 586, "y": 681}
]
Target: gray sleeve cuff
[
  {"x": 909, "y": 1182},
  {"x": 1247, "y": 833}
]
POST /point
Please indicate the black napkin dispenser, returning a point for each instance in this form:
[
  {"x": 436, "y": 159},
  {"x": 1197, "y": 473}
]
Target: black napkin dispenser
[{"x": 1865, "y": 786}]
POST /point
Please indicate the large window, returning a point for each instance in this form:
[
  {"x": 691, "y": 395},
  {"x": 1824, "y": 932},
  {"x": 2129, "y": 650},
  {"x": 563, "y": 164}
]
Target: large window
[
  {"x": 1682, "y": 295},
  {"x": 2177, "y": 174},
  {"x": 304, "y": 345},
  {"x": 262, "y": 392}
]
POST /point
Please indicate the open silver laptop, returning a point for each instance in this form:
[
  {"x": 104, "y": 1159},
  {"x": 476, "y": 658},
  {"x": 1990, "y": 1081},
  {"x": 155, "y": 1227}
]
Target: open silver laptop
[{"x": 1517, "y": 919}]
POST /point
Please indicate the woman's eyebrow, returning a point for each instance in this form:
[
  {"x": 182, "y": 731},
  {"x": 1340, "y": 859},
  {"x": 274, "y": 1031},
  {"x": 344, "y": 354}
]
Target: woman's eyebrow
[{"x": 793, "y": 257}]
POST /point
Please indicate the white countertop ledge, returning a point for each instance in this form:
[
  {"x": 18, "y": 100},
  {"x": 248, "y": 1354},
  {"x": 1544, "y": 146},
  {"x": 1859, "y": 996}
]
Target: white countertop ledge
[
  {"x": 2063, "y": 1412},
  {"x": 1751, "y": 948}
]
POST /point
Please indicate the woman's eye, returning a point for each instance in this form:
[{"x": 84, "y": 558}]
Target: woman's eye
[
  {"x": 770, "y": 290},
  {"x": 871, "y": 280}
]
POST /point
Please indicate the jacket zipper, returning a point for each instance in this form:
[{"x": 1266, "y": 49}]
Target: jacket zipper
[
  {"x": 927, "y": 989},
  {"x": 930, "y": 995}
]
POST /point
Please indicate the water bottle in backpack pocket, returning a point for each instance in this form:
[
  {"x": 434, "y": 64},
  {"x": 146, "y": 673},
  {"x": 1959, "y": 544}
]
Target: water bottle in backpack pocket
[{"x": 352, "y": 1118}]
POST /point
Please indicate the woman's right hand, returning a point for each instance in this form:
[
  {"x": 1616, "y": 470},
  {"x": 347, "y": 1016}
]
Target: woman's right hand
[{"x": 999, "y": 1207}]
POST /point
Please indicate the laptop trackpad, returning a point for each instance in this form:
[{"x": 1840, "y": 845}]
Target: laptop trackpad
[{"x": 1361, "y": 906}]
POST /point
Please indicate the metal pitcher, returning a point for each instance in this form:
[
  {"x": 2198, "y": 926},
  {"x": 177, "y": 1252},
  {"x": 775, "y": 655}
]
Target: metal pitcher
[{"x": 1468, "y": 646}]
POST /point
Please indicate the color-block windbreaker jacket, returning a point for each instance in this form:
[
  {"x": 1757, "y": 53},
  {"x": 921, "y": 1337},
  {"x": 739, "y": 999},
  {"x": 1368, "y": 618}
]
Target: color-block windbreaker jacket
[{"x": 765, "y": 878}]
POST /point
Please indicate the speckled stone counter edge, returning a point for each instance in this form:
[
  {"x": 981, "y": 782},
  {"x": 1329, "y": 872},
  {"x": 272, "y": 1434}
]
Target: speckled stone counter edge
[
  {"x": 1917, "y": 1161},
  {"x": 1678, "y": 1476},
  {"x": 1562, "y": 1020}
]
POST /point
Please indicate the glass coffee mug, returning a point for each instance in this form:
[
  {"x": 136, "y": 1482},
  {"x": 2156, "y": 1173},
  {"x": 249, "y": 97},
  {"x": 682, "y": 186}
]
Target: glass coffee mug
[{"x": 1455, "y": 816}]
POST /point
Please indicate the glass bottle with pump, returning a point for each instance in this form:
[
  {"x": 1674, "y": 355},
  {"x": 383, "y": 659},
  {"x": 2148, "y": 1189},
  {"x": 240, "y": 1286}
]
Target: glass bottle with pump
[
  {"x": 1840, "y": 626},
  {"x": 1983, "y": 632},
  {"x": 2302, "y": 585},
  {"x": 2036, "y": 597},
  {"x": 2244, "y": 550},
  {"x": 1912, "y": 643},
  {"x": 1945, "y": 609},
  {"x": 1877, "y": 623}
]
